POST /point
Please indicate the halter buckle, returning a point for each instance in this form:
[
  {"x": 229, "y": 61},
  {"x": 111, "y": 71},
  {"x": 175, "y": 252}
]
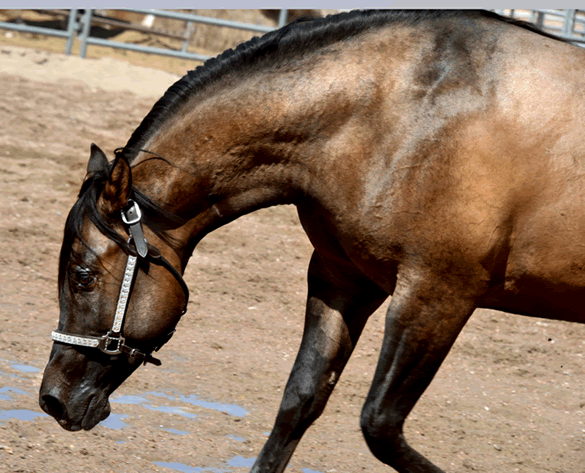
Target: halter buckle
[
  {"x": 111, "y": 344},
  {"x": 133, "y": 214},
  {"x": 131, "y": 217}
]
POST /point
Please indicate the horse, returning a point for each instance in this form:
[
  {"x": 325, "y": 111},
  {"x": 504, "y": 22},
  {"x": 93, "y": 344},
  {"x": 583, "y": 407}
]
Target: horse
[{"x": 436, "y": 157}]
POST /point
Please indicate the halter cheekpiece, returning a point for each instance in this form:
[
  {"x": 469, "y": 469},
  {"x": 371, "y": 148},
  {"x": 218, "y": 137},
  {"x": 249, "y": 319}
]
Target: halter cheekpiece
[{"x": 113, "y": 343}]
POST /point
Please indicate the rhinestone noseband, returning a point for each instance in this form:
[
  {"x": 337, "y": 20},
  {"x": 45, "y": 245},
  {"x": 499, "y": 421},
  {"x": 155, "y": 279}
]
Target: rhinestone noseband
[{"x": 113, "y": 343}]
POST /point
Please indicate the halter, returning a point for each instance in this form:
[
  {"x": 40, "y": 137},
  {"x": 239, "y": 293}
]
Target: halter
[{"x": 113, "y": 343}]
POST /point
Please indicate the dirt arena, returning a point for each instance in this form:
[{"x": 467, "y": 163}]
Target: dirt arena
[{"x": 509, "y": 398}]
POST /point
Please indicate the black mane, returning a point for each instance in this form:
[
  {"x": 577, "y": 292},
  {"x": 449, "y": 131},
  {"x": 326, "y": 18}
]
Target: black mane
[{"x": 300, "y": 37}]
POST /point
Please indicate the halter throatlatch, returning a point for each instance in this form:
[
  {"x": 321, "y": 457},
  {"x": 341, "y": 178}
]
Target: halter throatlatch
[{"x": 113, "y": 343}]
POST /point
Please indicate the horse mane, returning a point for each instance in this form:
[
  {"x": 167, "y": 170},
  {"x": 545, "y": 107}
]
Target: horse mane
[{"x": 300, "y": 37}]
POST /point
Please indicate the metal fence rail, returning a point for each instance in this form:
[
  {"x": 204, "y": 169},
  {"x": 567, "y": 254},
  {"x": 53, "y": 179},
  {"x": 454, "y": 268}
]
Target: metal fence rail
[
  {"x": 72, "y": 27},
  {"x": 86, "y": 39},
  {"x": 568, "y": 24},
  {"x": 79, "y": 24}
]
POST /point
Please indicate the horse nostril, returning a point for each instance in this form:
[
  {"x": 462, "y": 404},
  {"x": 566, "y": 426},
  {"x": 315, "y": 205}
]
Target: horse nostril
[{"x": 52, "y": 406}]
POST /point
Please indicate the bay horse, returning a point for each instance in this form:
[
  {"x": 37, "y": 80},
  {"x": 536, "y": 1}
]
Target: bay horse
[{"x": 434, "y": 156}]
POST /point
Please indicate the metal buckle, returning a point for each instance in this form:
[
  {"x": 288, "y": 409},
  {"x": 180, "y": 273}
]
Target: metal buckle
[
  {"x": 134, "y": 207},
  {"x": 112, "y": 344}
]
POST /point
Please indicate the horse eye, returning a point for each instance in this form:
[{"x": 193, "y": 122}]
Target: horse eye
[{"x": 84, "y": 278}]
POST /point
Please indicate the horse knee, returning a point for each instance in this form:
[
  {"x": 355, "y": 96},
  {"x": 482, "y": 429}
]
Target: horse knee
[
  {"x": 300, "y": 407},
  {"x": 382, "y": 432}
]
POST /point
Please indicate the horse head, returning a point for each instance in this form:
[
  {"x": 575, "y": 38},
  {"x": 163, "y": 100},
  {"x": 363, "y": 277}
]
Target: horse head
[{"x": 120, "y": 297}]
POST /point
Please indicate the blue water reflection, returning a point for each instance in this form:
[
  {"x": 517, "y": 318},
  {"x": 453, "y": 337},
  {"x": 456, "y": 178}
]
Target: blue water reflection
[
  {"x": 178, "y": 432},
  {"x": 25, "y": 368},
  {"x": 21, "y": 414},
  {"x": 114, "y": 421},
  {"x": 232, "y": 409},
  {"x": 8, "y": 389},
  {"x": 141, "y": 401},
  {"x": 239, "y": 460}
]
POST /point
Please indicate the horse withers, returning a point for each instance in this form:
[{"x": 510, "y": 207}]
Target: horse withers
[{"x": 437, "y": 157}]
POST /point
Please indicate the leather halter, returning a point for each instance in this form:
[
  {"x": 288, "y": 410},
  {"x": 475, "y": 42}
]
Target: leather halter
[{"x": 113, "y": 343}]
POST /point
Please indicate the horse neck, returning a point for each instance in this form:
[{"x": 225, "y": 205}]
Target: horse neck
[{"x": 241, "y": 148}]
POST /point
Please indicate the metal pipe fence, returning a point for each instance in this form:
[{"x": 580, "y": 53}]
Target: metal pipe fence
[
  {"x": 568, "y": 24},
  {"x": 79, "y": 26},
  {"x": 86, "y": 39}
]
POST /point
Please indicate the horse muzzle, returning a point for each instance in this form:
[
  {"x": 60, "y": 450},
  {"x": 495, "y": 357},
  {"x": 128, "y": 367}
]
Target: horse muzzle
[
  {"x": 75, "y": 389},
  {"x": 74, "y": 413}
]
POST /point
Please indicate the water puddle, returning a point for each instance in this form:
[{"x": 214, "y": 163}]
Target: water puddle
[
  {"x": 232, "y": 409},
  {"x": 21, "y": 414},
  {"x": 178, "y": 432},
  {"x": 172, "y": 410},
  {"x": 240, "y": 461},
  {"x": 8, "y": 389},
  {"x": 141, "y": 401},
  {"x": 24, "y": 368},
  {"x": 189, "y": 469},
  {"x": 114, "y": 421},
  {"x": 157, "y": 394},
  {"x": 11, "y": 375}
]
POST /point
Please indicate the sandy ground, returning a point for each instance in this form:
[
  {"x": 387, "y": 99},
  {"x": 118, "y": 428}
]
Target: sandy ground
[{"x": 510, "y": 396}]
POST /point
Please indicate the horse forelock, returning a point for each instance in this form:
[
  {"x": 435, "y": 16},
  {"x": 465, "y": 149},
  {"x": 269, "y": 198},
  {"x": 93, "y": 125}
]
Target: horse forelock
[{"x": 86, "y": 209}]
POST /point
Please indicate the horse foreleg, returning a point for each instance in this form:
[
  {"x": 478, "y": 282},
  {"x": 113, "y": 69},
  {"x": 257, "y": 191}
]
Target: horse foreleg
[
  {"x": 422, "y": 324},
  {"x": 338, "y": 305}
]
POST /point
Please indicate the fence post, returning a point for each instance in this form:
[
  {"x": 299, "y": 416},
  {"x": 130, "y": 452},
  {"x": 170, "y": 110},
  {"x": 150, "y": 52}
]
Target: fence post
[
  {"x": 569, "y": 22},
  {"x": 188, "y": 32},
  {"x": 86, "y": 20},
  {"x": 282, "y": 17},
  {"x": 71, "y": 30},
  {"x": 540, "y": 20}
]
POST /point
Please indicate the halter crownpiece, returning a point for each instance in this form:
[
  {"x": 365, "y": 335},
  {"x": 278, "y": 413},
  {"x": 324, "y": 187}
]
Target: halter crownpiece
[{"x": 113, "y": 343}]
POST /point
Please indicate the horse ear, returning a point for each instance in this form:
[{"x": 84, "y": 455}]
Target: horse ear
[
  {"x": 97, "y": 160},
  {"x": 117, "y": 189}
]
